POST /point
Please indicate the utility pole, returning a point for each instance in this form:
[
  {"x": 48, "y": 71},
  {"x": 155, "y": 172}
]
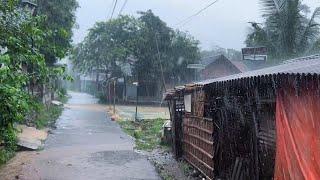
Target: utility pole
[
  {"x": 114, "y": 96},
  {"x": 161, "y": 67},
  {"x": 137, "y": 99}
]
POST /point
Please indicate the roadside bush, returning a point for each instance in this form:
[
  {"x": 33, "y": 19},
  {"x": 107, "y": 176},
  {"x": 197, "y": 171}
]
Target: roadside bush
[
  {"x": 147, "y": 133},
  {"x": 8, "y": 139},
  {"x": 47, "y": 116},
  {"x": 22, "y": 66},
  {"x": 102, "y": 98}
]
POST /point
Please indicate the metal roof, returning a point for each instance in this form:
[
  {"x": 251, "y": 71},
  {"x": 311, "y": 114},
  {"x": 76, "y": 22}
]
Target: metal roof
[
  {"x": 305, "y": 65},
  {"x": 299, "y": 66},
  {"x": 210, "y": 59}
]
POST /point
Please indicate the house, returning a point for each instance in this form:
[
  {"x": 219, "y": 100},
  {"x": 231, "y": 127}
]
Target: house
[
  {"x": 220, "y": 66},
  {"x": 260, "y": 124}
]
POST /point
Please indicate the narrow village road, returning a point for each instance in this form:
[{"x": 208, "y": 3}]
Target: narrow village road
[{"x": 88, "y": 145}]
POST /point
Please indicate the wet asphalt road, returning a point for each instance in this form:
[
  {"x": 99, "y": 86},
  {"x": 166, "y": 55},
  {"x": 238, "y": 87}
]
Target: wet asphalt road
[{"x": 88, "y": 145}]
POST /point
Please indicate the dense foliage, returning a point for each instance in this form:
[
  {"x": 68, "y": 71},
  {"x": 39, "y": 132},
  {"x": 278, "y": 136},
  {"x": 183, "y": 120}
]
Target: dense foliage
[
  {"x": 58, "y": 24},
  {"x": 23, "y": 65},
  {"x": 287, "y": 31},
  {"x": 144, "y": 48},
  {"x": 18, "y": 54},
  {"x": 107, "y": 46}
]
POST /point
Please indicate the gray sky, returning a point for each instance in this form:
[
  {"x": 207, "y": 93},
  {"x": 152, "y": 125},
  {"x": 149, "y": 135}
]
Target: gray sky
[{"x": 223, "y": 24}]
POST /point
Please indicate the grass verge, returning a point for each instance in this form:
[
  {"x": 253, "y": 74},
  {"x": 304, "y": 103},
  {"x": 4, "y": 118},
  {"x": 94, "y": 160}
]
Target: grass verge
[
  {"x": 48, "y": 115},
  {"x": 147, "y": 133},
  {"x": 7, "y": 150}
]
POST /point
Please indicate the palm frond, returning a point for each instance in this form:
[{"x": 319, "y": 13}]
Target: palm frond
[
  {"x": 270, "y": 7},
  {"x": 311, "y": 30}
]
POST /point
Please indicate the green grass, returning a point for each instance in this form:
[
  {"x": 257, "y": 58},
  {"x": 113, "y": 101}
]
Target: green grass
[
  {"x": 48, "y": 115},
  {"x": 6, "y": 155},
  {"x": 8, "y": 142},
  {"x": 185, "y": 167},
  {"x": 147, "y": 133}
]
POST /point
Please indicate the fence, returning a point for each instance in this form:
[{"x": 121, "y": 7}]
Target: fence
[
  {"x": 198, "y": 143},
  {"x": 226, "y": 136}
]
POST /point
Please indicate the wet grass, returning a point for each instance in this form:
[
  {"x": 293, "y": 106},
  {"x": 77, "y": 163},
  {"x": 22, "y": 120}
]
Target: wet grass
[
  {"x": 186, "y": 168},
  {"x": 47, "y": 116},
  {"x": 147, "y": 133},
  {"x": 5, "y": 155}
]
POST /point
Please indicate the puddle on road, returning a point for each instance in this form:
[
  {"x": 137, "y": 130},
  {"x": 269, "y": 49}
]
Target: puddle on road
[{"x": 115, "y": 157}]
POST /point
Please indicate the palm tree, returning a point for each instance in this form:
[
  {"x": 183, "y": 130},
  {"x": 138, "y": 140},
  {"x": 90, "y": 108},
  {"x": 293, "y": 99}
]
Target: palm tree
[{"x": 287, "y": 31}]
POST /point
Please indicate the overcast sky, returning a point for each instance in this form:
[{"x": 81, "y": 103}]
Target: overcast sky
[{"x": 223, "y": 24}]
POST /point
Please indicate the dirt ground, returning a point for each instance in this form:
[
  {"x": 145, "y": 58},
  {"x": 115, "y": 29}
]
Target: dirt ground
[
  {"x": 144, "y": 112},
  {"x": 170, "y": 169},
  {"x": 16, "y": 166}
]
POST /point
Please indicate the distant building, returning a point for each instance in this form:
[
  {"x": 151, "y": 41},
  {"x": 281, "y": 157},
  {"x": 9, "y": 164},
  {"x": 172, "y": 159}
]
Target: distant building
[
  {"x": 255, "y": 57},
  {"x": 220, "y": 66}
]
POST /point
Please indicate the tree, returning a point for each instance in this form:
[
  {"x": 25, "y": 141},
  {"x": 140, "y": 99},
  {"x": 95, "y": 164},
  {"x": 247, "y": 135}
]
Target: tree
[
  {"x": 20, "y": 39},
  {"x": 163, "y": 54},
  {"x": 287, "y": 31},
  {"x": 184, "y": 51},
  {"x": 107, "y": 46},
  {"x": 156, "y": 53},
  {"x": 59, "y": 21},
  {"x": 22, "y": 62}
]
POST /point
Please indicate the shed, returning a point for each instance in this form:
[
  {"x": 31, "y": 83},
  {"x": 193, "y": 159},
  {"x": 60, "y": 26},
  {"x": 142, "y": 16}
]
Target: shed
[{"x": 259, "y": 124}]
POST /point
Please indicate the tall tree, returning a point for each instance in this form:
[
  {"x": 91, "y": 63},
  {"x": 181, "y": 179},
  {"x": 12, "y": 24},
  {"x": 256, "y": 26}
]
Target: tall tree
[
  {"x": 152, "y": 49},
  {"x": 156, "y": 52},
  {"x": 162, "y": 53},
  {"x": 21, "y": 62},
  {"x": 107, "y": 46},
  {"x": 287, "y": 31},
  {"x": 184, "y": 51},
  {"x": 59, "y": 22}
]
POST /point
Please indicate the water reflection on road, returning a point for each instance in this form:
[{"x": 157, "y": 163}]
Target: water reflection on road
[{"x": 87, "y": 145}]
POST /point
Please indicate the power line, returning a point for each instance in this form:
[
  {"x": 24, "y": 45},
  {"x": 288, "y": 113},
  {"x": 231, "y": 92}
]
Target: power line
[
  {"x": 109, "y": 13},
  {"x": 161, "y": 67},
  {"x": 188, "y": 19},
  {"x": 114, "y": 7},
  {"x": 123, "y": 6}
]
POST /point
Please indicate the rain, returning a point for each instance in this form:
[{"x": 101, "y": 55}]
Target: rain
[{"x": 180, "y": 89}]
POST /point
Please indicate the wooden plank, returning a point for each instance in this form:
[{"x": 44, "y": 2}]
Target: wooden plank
[
  {"x": 201, "y": 139},
  {"x": 199, "y": 149},
  {"x": 199, "y": 160},
  {"x": 197, "y": 127},
  {"x": 199, "y": 169},
  {"x": 189, "y": 116}
]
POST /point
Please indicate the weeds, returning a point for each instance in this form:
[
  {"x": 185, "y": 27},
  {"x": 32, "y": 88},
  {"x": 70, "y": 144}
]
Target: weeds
[
  {"x": 8, "y": 139},
  {"x": 48, "y": 115},
  {"x": 147, "y": 133}
]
